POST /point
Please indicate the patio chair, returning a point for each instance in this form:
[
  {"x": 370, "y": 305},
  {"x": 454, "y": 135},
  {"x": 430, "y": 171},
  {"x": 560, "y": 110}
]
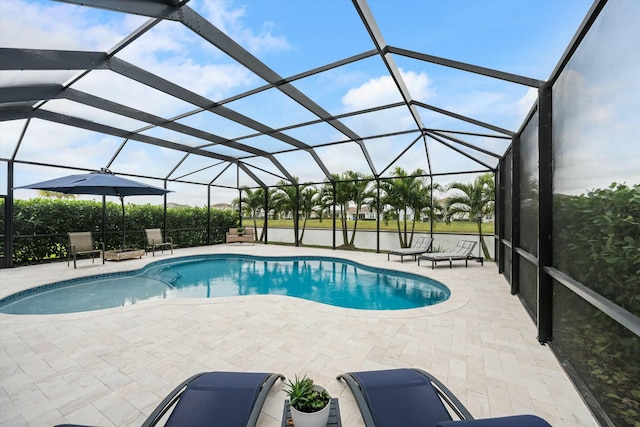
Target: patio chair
[
  {"x": 154, "y": 240},
  {"x": 216, "y": 398},
  {"x": 413, "y": 397},
  {"x": 81, "y": 243},
  {"x": 462, "y": 251},
  {"x": 213, "y": 398},
  {"x": 423, "y": 244}
]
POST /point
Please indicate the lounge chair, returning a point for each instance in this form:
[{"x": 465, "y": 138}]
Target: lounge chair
[
  {"x": 154, "y": 240},
  {"x": 412, "y": 397},
  {"x": 423, "y": 244},
  {"x": 462, "y": 251},
  {"x": 216, "y": 398},
  {"x": 81, "y": 243}
]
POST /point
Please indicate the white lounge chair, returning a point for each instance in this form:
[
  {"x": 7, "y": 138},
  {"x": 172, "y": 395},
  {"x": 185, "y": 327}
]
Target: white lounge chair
[
  {"x": 462, "y": 251},
  {"x": 423, "y": 244}
]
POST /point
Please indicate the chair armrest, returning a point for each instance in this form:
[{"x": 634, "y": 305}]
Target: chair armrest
[{"x": 512, "y": 421}]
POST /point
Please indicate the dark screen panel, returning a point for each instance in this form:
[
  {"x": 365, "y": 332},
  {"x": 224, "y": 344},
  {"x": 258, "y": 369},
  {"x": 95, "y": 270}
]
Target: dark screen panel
[{"x": 529, "y": 187}]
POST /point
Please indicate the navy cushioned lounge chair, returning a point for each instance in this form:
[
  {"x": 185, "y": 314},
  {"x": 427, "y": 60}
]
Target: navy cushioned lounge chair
[
  {"x": 412, "y": 397},
  {"x": 216, "y": 398},
  {"x": 230, "y": 399}
]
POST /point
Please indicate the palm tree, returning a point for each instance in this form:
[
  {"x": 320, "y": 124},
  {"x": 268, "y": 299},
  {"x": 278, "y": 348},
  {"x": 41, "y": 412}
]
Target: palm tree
[
  {"x": 340, "y": 201},
  {"x": 252, "y": 204},
  {"x": 285, "y": 199},
  {"x": 56, "y": 195},
  {"x": 435, "y": 211},
  {"x": 360, "y": 193},
  {"x": 308, "y": 199},
  {"x": 350, "y": 187},
  {"x": 405, "y": 193},
  {"x": 269, "y": 208},
  {"x": 325, "y": 199},
  {"x": 474, "y": 201}
]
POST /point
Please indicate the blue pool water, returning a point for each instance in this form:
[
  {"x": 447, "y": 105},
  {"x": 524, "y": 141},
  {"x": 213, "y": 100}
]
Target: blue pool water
[{"x": 331, "y": 281}]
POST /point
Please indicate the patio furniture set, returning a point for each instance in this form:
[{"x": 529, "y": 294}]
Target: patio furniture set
[
  {"x": 240, "y": 235},
  {"x": 82, "y": 243},
  {"x": 421, "y": 250},
  {"x": 386, "y": 398}
]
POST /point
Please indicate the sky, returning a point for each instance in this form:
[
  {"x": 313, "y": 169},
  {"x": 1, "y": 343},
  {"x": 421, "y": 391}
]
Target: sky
[{"x": 289, "y": 36}]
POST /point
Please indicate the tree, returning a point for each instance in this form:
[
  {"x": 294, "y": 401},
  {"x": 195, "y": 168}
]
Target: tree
[
  {"x": 402, "y": 194},
  {"x": 349, "y": 187},
  {"x": 473, "y": 201},
  {"x": 308, "y": 199},
  {"x": 360, "y": 193},
  {"x": 252, "y": 204},
  {"x": 56, "y": 195},
  {"x": 286, "y": 200},
  {"x": 435, "y": 211}
]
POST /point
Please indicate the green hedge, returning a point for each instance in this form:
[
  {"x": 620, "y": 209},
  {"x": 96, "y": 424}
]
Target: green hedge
[
  {"x": 40, "y": 226},
  {"x": 597, "y": 242}
]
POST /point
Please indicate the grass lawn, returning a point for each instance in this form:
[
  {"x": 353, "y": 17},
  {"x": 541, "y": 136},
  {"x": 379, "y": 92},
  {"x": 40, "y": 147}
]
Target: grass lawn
[{"x": 438, "y": 227}]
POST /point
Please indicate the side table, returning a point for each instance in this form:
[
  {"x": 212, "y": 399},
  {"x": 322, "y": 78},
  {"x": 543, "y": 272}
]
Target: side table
[
  {"x": 334, "y": 414},
  {"x": 119, "y": 255}
]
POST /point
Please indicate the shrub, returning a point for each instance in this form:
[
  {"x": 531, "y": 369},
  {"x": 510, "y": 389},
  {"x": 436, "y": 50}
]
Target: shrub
[
  {"x": 41, "y": 224},
  {"x": 597, "y": 242}
]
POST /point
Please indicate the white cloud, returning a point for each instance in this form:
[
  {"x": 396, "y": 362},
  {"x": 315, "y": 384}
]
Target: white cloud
[
  {"x": 383, "y": 90},
  {"x": 232, "y": 21},
  {"x": 595, "y": 131},
  {"x": 380, "y": 91},
  {"x": 39, "y": 25},
  {"x": 525, "y": 103}
]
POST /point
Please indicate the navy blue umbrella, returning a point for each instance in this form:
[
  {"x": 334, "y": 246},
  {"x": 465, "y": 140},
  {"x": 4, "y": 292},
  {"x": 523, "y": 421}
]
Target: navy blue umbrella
[{"x": 103, "y": 183}]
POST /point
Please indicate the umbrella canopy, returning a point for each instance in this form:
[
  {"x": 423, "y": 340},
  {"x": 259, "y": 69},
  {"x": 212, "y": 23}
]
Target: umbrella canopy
[{"x": 103, "y": 183}]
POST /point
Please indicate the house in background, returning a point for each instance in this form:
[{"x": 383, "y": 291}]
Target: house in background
[
  {"x": 365, "y": 213},
  {"x": 171, "y": 205},
  {"x": 221, "y": 206}
]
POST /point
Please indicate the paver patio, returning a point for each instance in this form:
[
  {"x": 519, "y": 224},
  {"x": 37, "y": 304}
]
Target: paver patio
[{"x": 112, "y": 367}]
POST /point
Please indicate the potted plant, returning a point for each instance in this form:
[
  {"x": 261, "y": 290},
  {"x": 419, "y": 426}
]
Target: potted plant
[
  {"x": 309, "y": 403},
  {"x": 240, "y": 231}
]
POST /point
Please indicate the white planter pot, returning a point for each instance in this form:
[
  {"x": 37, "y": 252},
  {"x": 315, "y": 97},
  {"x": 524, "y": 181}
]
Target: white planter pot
[{"x": 310, "y": 419}]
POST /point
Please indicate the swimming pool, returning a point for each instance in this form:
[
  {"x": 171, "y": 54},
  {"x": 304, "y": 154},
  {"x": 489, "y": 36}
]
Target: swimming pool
[{"x": 325, "y": 280}]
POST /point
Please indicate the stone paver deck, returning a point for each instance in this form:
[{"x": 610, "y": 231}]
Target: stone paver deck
[{"x": 112, "y": 367}]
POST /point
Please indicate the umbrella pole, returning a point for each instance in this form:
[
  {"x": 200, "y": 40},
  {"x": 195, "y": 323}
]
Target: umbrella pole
[
  {"x": 104, "y": 220},
  {"x": 123, "y": 222}
]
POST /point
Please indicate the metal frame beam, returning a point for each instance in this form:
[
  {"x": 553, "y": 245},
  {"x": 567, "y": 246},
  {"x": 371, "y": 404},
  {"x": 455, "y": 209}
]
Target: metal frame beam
[
  {"x": 110, "y": 130},
  {"x": 467, "y": 155},
  {"x": 545, "y": 218},
  {"x": 378, "y": 40},
  {"x": 466, "y": 144},
  {"x": 47, "y": 59},
  {"x": 488, "y": 72},
  {"x": 465, "y": 118},
  {"x": 217, "y": 38}
]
